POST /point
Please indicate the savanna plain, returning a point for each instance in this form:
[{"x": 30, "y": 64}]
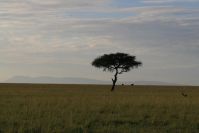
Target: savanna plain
[{"x": 51, "y": 108}]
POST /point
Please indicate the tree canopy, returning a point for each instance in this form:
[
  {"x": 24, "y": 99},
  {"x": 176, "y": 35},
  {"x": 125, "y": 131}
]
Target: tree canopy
[
  {"x": 118, "y": 62},
  {"x": 121, "y": 61}
]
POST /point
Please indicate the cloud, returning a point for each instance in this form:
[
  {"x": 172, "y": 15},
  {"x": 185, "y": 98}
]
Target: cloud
[
  {"x": 74, "y": 32},
  {"x": 32, "y": 48},
  {"x": 144, "y": 14},
  {"x": 49, "y": 33},
  {"x": 166, "y": 1}
]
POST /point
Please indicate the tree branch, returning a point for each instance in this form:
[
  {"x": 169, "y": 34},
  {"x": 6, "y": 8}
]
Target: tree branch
[
  {"x": 111, "y": 67},
  {"x": 123, "y": 71}
]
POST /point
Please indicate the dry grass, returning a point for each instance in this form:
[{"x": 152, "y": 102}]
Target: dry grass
[{"x": 28, "y": 108}]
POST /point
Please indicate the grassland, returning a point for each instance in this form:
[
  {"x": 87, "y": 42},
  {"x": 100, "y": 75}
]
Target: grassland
[{"x": 27, "y": 108}]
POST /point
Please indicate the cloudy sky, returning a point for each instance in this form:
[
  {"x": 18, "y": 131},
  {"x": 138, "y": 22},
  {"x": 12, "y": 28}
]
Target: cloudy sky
[{"x": 60, "y": 38}]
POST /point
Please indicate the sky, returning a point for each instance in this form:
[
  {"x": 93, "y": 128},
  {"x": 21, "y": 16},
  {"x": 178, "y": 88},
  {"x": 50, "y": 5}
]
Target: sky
[{"x": 60, "y": 38}]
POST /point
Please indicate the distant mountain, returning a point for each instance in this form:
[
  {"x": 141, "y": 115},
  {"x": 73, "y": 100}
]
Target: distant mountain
[
  {"x": 69, "y": 80},
  {"x": 54, "y": 80},
  {"x": 153, "y": 83}
]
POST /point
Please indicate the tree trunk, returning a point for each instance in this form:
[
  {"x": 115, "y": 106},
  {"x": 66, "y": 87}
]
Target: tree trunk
[{"x": 114, "y": 80}]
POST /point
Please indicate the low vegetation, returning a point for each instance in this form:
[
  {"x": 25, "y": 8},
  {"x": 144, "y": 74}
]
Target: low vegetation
[{"x": 94, "y": 109}]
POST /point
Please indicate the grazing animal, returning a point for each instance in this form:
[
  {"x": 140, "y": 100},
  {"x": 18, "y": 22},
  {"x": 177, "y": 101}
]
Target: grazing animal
[
  {"x": 183, "y": 94},
  {"x": 132, "y": 84}
]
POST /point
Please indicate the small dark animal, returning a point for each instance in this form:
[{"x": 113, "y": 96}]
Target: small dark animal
[
  {"x": 184, "y": 95},
  {"x": 122, "y": 84},
  {"x": 132, "y": 84}
]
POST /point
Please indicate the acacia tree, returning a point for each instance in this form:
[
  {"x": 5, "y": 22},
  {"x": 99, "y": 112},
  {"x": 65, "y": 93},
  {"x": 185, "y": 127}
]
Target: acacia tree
[{"x": 116, "y": 62}]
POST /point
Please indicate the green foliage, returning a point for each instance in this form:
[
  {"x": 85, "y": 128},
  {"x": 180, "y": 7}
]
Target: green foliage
[{"x": 93, "y": 109}]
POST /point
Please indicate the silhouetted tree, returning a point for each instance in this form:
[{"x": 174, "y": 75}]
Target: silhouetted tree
[{"x": 116, "y": 62}]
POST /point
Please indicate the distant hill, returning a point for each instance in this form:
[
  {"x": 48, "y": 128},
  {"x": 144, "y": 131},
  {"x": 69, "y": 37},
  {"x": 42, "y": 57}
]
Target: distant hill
[
  {"x": 69, "y": 80},
  {"x": 152, "y": 83},
  {"x": 53, "y": 80}
]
